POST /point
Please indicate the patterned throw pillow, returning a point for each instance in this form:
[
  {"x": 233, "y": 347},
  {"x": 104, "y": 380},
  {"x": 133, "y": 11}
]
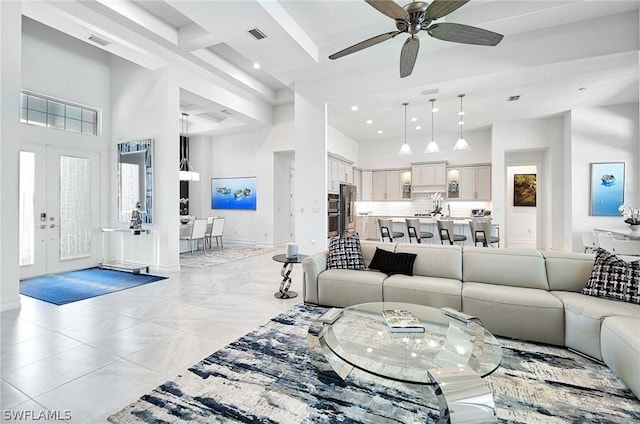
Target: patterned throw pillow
[
  {"x": 614, "y": 278},
  {"x": 345, "y": 253}
]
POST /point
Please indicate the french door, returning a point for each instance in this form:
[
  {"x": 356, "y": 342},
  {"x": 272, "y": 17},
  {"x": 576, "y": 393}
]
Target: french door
[{"x": 59, "y": 209}]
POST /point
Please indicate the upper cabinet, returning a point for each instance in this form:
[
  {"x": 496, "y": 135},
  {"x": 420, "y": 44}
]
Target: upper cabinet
[
  {"x": 339, "y": 171},
  {"x": 469, "y": 182},
  {"x": 429, "y": 177},
  {"x": 391, "y": 184},
  {"x": 366, "y": 189}
]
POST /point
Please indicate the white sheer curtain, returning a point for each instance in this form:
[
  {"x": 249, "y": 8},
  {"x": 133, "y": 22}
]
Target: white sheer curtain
[
  {"x": 75, "y": 207},
  {"x": 26, "y": 212}
]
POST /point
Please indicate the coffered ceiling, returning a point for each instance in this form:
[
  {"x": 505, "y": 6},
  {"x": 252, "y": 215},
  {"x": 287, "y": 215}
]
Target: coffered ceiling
[{"x": 556, "y": 55}]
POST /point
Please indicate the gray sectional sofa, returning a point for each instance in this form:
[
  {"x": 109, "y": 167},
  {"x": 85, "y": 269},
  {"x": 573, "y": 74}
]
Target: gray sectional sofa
[{"x": 518, "y": 293}]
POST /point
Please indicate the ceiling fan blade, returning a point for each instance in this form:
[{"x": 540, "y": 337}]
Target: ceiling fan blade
[
  {"x": 440, "y": 8},
  {"x": 364, "y": 44},
  {"x": 466, "y": 34},
  {"x": 389, "y": 8},
  {"x": 408, "y": 56}
]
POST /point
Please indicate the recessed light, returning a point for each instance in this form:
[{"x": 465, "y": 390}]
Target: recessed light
[
  {"x": 369, "y": 121},
  {"x": 414, "y": 119},
  {"x": 418, "y": 127},
  {"x": 256, "y": 65},
  {"x": 380, "y": 131},
  {"x": 354, "y": 108}
]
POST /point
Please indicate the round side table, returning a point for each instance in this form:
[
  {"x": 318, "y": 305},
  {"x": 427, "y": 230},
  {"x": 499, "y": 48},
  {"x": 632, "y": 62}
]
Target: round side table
[{"x": 287, "y": 266}]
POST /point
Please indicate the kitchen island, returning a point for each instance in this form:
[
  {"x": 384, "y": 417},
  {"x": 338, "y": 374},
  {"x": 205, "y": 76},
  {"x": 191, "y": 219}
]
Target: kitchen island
[{"x": 367, "y": 226}]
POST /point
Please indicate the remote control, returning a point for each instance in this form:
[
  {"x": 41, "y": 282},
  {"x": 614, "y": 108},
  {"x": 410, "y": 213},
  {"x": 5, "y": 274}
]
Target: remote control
[
  {"x": 460, "y": 316},
  {"x": 330, "y": 316}
]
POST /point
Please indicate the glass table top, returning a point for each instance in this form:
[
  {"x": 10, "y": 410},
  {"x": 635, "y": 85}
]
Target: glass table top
[{"x": 361, "y": 338}]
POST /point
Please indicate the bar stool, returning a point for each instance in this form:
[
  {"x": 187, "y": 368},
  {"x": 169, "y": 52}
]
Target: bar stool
[
  {"x": 481, "y": 232},
  {"x": 413, "y": 225},
  {"x": 386, "y": 230},
  {"x": 445, "y": 231}
]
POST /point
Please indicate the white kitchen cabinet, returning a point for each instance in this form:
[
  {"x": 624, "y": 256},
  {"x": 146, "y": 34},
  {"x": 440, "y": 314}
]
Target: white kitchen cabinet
[
  {"x": 338, "y": 172},
  {"x": 379, "y": 185},
  {"x": 469, "y": 183},
  {"x": 432, "y": 174},
  {"x": 357, "y": 182},
  {"x": 392, "y": 183},
  {"x": 367, "y": 185},
  {"x": 373, "y": 231},
  {"x": 362, "y": 226}
]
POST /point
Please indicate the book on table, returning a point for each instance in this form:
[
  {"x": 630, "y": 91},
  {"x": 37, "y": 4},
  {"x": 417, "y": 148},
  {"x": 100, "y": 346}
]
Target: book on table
[{"x": 401, "y": 321}]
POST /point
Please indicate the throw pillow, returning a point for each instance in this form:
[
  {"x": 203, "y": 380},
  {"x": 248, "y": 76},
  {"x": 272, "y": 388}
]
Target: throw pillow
[
  {"x": 393, "y": 263},
  {"x": 614, "y": 278},
  {"x": 345, "y": 253}
]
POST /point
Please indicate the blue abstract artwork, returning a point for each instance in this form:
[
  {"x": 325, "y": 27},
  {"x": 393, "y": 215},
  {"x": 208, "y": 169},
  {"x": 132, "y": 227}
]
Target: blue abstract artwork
[
  {"x": 233, "y": 193},
  {"x": 607, "y": 188}
]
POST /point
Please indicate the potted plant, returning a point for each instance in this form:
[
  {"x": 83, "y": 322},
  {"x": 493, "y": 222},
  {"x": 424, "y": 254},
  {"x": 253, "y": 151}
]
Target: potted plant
[{"x": 631, "y": 216}]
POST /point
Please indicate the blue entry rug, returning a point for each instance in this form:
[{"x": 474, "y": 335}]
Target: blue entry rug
[
  {"x": 270, "y": 376},
  {"x": 68, "y": 287}
]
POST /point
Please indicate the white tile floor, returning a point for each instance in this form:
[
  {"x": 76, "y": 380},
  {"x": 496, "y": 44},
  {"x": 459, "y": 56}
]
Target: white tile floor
[{"x": 94, "y": 357}]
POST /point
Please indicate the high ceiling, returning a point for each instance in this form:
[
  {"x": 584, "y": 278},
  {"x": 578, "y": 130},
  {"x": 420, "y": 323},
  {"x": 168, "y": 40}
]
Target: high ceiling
[{"x": 556, "y": 55}]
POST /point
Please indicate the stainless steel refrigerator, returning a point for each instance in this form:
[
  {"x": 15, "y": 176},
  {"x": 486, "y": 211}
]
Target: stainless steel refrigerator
[{"x": 347, "y": 207}]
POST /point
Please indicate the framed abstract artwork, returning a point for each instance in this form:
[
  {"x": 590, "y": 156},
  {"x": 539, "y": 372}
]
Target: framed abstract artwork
[
  {"x": 524, "y": 190},
  {"x": 607, "y": 188},
  {"x": 233, "y": 193}
]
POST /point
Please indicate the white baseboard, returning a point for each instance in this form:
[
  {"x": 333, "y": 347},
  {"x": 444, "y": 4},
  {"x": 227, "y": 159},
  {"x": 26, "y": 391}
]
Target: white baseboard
[
  {"x": 7, "y": 305},
  {"x": 164, "y": 270}
]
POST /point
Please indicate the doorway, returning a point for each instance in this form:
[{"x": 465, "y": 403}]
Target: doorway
[{"x": 59, "y": 209}]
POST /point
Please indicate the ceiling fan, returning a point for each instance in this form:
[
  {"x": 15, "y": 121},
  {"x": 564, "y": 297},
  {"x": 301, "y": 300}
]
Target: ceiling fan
[{"x": 418, "y": 16}]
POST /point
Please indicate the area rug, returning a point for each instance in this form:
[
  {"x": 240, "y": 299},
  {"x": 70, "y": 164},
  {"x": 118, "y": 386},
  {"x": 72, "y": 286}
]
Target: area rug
[
  {"x": 202, "y": 260},
  {"x": 268, "y": 376},
  {"x": 68, "y": 287}
]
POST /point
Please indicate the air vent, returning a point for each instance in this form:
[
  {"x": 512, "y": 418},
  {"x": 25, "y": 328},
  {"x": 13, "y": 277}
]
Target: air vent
[
  {"x": 259, "y": 35},
  {"x": 513, "y": 98},
  {"x": 429, "y": 91},
  {"x": 98, "y": 40},
  {"x": 226, "y": 112}
]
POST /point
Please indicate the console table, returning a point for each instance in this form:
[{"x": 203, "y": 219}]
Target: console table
[
  {"x": 122, "y": 265},
  {"x": 287, "y": 266}
]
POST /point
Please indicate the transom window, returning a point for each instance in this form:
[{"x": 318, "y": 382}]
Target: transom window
[{"x": 44, "y": 111}]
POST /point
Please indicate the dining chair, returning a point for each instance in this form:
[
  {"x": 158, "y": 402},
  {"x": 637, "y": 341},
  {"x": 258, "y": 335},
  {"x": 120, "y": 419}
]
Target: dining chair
[
  {"x": 198, "y": 230},
  {"x": 217, "y": 228},
  {"x": 445, "y": 231},
  {"x": 589, "y": 241},
  {"x": 207, "y": 233},
  {"x": 413, "y": 230},
  {"x": 482, "y": 232},
  {"x": 386, "y": 230}
]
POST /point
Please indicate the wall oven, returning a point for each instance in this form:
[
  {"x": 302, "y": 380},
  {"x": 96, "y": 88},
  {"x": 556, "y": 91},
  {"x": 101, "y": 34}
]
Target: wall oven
[
  {"x": 333, "y": 225},
  {"x": 333, "y": 203}
]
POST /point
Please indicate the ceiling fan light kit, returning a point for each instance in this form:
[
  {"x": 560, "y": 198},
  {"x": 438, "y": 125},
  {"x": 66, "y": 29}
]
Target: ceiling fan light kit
[
  {"x": 418, "y": 16},
  {"x": 432, "y": 147},
  {"x": 405, "y": 150}
]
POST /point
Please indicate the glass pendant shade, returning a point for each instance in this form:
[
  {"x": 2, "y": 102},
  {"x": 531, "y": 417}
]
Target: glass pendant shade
[
  {"x": 186, "y": 173},
  {"x": 405, "y": 150},
  {"x": 461, "y": 145},
  {"x": 432, "y": 147}
]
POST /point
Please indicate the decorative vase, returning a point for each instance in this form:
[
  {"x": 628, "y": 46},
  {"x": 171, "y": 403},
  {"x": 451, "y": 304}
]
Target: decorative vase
[{"x": 634, "y": 227}]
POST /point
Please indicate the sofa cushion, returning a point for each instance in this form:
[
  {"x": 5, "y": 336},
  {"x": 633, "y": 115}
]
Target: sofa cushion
[
  {"x": 568, "y": 271},
  {"x": 620, "y": 343},
  {"x": 583, "y": 319},
  {"x": 429, "y": 291},
  {"x": 393, "y": 263},
  {"x": 435, "y": 260},
  {"x": 521, "y": 313},
  {"x": 346, "y": 287},
  {"x": 345, "y": 253},
  {"x": 369, "y": 249},
  {"x": 506, "y": 267},
  {"x": 614, "y": 278}
]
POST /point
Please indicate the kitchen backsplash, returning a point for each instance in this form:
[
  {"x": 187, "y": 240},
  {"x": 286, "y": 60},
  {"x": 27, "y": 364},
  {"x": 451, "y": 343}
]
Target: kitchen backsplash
[{"x": 419, "y": 203}]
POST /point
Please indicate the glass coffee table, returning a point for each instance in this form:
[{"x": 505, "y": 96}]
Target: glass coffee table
[{"x": 451, "y": 356}]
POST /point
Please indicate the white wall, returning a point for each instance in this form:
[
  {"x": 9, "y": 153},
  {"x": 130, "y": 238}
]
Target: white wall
[
  {"x": 384, "y": 153},
  {"x": 533, "y": 135},
  {"x": 10, "y": 51},
  {"x": 604, "y": 134},
  {"x": 340, "y": 144}
]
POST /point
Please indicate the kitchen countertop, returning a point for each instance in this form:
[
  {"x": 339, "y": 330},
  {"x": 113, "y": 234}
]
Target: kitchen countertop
[{"x": 421, "y": 218}]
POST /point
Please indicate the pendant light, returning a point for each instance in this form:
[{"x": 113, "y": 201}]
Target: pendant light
[
  {"x": 186, "y": 174},
  {"x": 461, "y": 145},
  {"x": 432, "y": 147},
  {"x": 405, "y": 150}
]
